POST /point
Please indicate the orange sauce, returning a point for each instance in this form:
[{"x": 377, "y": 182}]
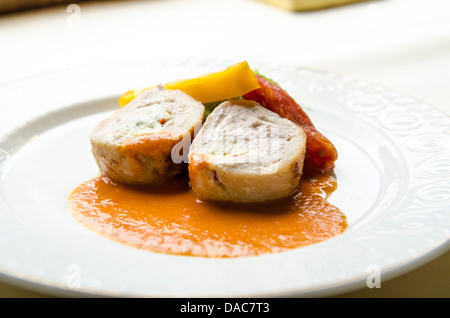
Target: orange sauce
[{"x": 169, "y": 219}]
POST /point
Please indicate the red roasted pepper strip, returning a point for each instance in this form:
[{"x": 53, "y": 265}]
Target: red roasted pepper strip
[{"x": 320, "y": 152}]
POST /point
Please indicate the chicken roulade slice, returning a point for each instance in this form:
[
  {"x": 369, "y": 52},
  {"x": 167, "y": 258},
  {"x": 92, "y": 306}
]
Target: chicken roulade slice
[
  {"x": 246, "y": 153},
  {"x": 134, "y": 145}
]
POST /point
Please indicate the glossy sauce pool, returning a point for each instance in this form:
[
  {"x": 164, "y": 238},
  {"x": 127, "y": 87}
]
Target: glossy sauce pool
[{"x": 169, "y": 219}]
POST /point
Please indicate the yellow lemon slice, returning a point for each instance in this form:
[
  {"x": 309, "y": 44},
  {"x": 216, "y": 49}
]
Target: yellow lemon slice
[{"x": 234, "y": 81}]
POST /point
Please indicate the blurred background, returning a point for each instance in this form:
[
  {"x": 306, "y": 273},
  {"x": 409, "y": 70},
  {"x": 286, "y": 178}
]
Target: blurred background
[{"x": 401, "y": 44}]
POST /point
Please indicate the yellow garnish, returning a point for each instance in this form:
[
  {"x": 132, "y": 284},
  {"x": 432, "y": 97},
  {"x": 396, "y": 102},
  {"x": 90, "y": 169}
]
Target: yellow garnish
[{"x": 234, "y": 81}]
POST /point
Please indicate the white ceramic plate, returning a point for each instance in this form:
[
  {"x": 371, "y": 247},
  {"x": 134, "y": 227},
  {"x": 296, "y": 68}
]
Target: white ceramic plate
[{"x": 393, "y": 176}]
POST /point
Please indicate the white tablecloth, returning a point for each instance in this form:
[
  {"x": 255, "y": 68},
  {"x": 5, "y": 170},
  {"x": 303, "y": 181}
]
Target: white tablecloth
[{"x": 401, "y": 44}]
